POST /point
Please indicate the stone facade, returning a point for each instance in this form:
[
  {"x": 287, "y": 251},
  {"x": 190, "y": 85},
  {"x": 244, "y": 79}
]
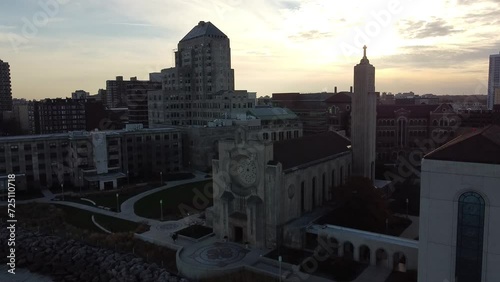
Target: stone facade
[
  {"x": 260, "y": 186},
  {"x": 363, "y": 119}
]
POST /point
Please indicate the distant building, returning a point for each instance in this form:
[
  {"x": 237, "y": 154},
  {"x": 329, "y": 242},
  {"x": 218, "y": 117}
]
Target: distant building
[
  {"x": 95, "y": 159},
  {"x": 319, "y": 112},
  {"x": 493, "y": 79},
  {"x": 267, "y": 124},
  {"x": 63, "y": 115},
  {"x": 416, "y": 100},
  {"x": 200, "y": 88},
  {"x": 5, "y": 87},
  {"x": 80, "y": 94},
  {"x": 459, "y": 209},
  {"x": 129, "y": 93},
  {"x": 497, "y": 96}
]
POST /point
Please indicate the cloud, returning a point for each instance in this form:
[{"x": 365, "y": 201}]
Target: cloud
[
  {"x": 310, "y": 35},
  {"x": 422, "y": 29},
  {"x": 435, "y": 57}
]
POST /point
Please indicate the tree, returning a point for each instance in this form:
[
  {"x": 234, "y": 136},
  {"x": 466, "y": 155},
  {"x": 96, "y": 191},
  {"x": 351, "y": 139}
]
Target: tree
[{"x": 362, "y": 206}]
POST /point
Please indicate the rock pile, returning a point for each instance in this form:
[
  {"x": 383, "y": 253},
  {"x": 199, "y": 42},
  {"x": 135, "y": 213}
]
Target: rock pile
[{"x": 70, "y": 260}]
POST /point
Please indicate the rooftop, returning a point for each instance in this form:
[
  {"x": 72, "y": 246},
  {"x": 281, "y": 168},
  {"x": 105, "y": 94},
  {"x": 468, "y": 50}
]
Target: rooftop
[
  {"x": 204, "y": 29},
  {"x": 274, "y": 113},
  {"x": 418, "y": 111},
  {"x": 301, "y": 151},
  {"x": 477, "y": 146}
]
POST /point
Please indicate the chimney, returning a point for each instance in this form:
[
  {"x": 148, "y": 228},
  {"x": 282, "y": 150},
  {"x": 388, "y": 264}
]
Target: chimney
[{"x": 335, "y": 90}]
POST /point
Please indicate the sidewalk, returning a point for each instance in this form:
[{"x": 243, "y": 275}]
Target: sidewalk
[
  {"x": 374, "y": 274},
  {"x": 411, "y": 232}
]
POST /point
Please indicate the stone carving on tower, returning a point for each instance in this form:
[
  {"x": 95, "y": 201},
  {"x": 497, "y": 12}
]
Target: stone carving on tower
[{"x": 363, "y": 119}]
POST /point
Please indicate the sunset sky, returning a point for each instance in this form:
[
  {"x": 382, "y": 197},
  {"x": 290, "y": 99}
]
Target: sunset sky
[{"x": 425, "y": 46}]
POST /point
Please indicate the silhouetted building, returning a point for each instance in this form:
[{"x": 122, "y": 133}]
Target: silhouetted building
[
  {"x": 64, "y": 115},
  {"x": 493, "y": 79},
  {"x": 95, "y": 159},
  {"x": 128, "y": 93},
  {"x": 5, "y": 87},
  {"x": 319, "y": 112},
  {"x": 80, "y": 94}
]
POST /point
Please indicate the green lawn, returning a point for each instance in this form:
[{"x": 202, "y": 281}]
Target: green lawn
[
  {"x": 195, "y": 231},
  {"x": 108, "y": 198},
  {"x": 177, "y": 201},
  {"x": 83, "y": 219},
  {"x": 116, "y": 225},
  {"x": 79, "y": 218},
  {"x": 74, "y": 200}
]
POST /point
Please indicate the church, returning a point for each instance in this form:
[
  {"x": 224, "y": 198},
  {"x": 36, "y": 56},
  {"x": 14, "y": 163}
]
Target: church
[{"x": 261, "y": 187}]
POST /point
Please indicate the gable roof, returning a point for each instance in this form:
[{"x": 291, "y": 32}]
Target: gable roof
[
  {"x": 275, "y": 113},
  {"x": 416, "y": 111},
  {"x": 477, "y": 146},
  {"x": 300, "y": 151},
  {"x": 204, "y": 29},
  {"x": 341, "y": 97}
]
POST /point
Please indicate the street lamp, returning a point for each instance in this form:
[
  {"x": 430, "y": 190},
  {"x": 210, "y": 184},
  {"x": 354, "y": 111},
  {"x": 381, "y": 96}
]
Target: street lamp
[
  {"x": 62, "y": 190},
  {"x": 128, "y": 177},
  {"x": 161, "y": 178},
  {"x": 280, "y": 259},
  {"x": 407, "y": 207},
  {"x": 387, "y": 226},
  {"x": 117, "y": 203},
  {"x": 80, "y": 184},
  {"x": 161, "y": 210}
]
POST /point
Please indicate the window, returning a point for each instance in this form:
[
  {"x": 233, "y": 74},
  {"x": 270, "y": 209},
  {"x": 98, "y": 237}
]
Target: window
[{"x": 470, "y": 229}]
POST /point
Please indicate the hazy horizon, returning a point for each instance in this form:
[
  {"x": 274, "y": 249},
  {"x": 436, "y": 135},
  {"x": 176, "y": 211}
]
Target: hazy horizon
[{"x": 439, "y": 47}]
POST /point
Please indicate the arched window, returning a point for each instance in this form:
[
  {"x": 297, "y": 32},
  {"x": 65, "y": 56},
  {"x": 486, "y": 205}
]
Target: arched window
[
  {"x": 435, "y": 123},
  {"x": 470, "y": 229}
]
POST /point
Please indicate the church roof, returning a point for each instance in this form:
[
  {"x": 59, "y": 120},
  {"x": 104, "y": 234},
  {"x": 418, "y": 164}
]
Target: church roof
[
  {"x": 204, "y": 29},
  {"x": 341, "y": 97},
  {"x": 274, "y": 113},
  {"x": 477, "y": 146},
  {"x": 300, "y": 151},
  {"x": 415, "y": 111}
]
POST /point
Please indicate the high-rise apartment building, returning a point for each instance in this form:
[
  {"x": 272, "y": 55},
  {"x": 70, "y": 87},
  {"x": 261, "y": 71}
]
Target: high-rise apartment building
[
  {"x": 493, "y": 79},
  {"x": 131, "y": 94},
  {"x": 5, "y": 87},
  {"x": 200, "y": 88}
]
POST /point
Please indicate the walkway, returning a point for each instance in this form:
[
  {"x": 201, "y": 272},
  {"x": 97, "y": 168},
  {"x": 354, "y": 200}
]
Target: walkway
[
  {"x": 411, "y": 232},
  {"x": 374, "y": 274}
]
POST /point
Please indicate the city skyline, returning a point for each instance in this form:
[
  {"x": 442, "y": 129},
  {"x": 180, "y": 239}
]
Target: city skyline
[{"x": 278, "y": 46}]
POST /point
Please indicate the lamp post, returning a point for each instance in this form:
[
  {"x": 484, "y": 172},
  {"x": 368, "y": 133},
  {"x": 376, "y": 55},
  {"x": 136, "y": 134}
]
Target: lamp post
[
  {"x": 161, "y": 210},
  {"x": 80, "y": 184},
  {"x": 280, "y": 259},
  {"x": 407, "y": 207},
  {"x": 117, "y": 203},
  {"x": 386, "y": 226},
  {"x": 161, "y": 178},
  {"x": 128, "y": 177},
  {"x": 62, "y": 191}
]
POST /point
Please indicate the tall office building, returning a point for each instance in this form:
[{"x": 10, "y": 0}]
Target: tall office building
[
  {"x": 200, "y": 88},
  {"x": 363, "y": 118},
  {"x": 493, "y": 79},
  {"x": 5, "y": 87}
]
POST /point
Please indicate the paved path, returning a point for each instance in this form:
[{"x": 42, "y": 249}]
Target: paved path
[
  {"x": 411, "y": 232},
  {"x": 374, "y": 274},
  {"x": 159, "y": 231}
]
